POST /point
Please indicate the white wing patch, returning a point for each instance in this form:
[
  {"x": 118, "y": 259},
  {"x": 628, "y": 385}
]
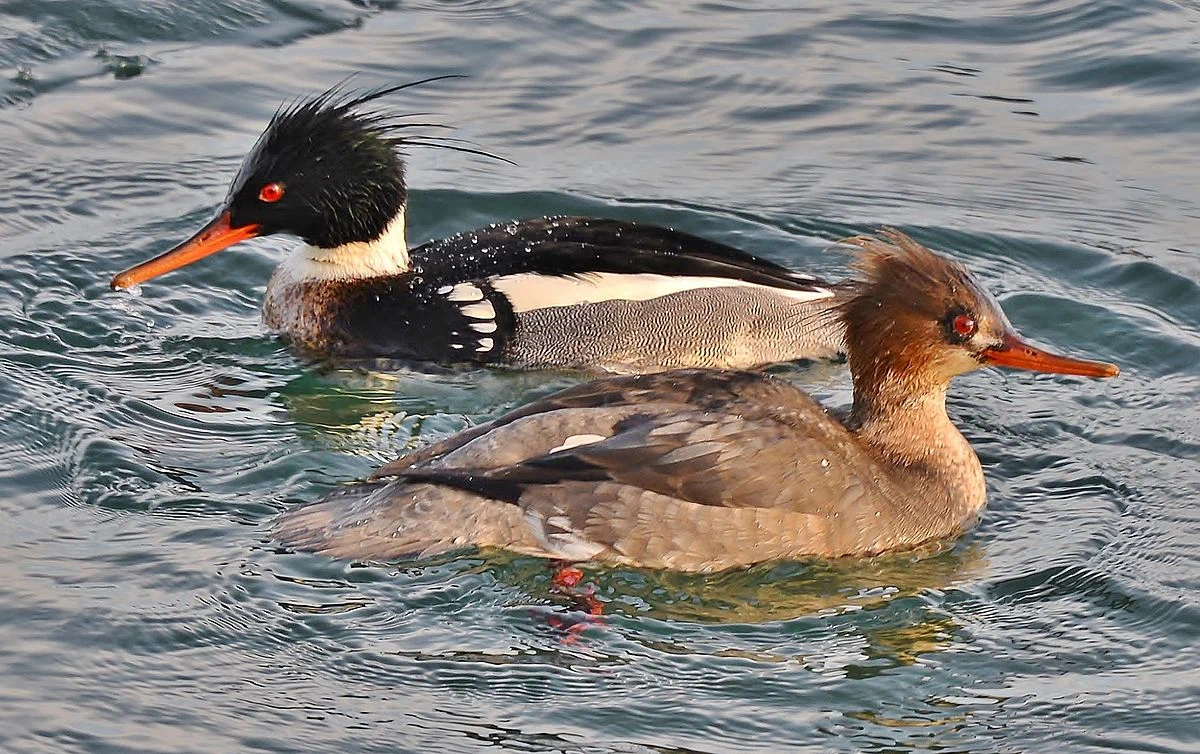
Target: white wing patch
[
  {"x": 465, "y": 292},
  {"x": 527, "y": 291},
  {"x": 480, "y": 310},
  {"x": 574, "y": 441}
]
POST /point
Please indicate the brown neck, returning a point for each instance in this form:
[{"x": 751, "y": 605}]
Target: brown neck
[
  {"x": 932, "y": 464},
  {"x": 905, "y": 422},
  {"x": 902, "y": 415}
]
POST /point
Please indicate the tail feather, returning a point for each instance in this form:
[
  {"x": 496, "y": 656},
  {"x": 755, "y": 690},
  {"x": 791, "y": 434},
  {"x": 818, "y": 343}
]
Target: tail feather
[{"x": 396, "y": 520}]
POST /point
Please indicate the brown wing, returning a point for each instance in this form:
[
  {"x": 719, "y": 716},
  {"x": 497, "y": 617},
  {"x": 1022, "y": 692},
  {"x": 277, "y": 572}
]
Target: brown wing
[
  {"x": 729, "y": 460},
  {"x": 696, "y": 388},
  {"x": 796, "y": 460},
  {"x": 689, "y": 470}
]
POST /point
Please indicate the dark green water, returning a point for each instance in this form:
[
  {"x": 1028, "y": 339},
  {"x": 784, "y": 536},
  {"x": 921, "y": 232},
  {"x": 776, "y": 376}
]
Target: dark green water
[{"x": 144, "y": 441}]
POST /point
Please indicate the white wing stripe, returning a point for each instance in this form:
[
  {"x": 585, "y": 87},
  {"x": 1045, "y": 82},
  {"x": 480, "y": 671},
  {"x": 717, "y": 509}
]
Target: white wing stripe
[
  {"x": 527, "y": 291},
  {"x": 479, "y": 310},
  {"x": 574, "y": 441},
  {"x": 465, "y": 292}
]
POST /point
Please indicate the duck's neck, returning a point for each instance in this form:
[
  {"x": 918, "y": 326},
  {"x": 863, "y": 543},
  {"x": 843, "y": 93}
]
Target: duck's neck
[
  {"x": 904, "y": 418},
  {"x": 908, "y": 429},
  {"x": 936, "y": 471},
  {"x": 385, "y": 255}
]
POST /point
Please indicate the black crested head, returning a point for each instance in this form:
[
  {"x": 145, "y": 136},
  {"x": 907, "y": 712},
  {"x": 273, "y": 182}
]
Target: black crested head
[{"x": 329, "y": 170}]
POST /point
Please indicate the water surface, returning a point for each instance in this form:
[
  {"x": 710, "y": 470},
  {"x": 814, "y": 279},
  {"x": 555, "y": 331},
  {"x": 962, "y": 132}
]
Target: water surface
[{"x": 145, "y": 441}]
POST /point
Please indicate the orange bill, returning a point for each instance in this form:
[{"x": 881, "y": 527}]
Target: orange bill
[
  {"x": 1018, "y": 354},
  {"x": 217, "y": 235}
]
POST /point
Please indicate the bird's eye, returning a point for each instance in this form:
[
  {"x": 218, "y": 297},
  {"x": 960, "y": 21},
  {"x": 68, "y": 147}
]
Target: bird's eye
[
  {"x": 964, "y": 325},
  {"x": 271, "y": 193}
]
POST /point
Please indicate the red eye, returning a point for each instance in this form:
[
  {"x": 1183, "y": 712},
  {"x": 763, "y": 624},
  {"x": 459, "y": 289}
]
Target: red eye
[
  {"x": 271, "y": 193},
  {"x": 964, "y": 325}
]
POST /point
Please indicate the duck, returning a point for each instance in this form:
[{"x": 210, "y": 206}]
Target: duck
[
  {"x": 562, "y": 292},
  {"x": 705, "y": 470}
]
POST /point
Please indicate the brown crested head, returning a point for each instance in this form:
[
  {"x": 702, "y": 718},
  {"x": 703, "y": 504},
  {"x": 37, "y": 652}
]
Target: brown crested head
[{"x": 915, "y": 319}]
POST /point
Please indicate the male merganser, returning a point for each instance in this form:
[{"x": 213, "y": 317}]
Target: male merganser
[
  {"x": 567, "y": 292},
  {"x": 703, "y": 470}
]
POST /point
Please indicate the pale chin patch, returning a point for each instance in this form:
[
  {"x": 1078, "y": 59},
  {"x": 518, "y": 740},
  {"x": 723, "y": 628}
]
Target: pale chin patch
[
  {"x": 386, "y": 255},
  {"x": 958, "y": 362}
]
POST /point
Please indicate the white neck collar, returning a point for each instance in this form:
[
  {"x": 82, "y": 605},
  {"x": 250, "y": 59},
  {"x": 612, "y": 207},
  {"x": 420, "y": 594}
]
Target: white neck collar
[{"x": 386, "y": 255}]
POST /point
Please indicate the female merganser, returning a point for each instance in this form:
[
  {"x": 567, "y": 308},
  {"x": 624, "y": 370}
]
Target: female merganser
[
  {"x": 565, "y": 292},
  {"x": 702, "y": 470}
]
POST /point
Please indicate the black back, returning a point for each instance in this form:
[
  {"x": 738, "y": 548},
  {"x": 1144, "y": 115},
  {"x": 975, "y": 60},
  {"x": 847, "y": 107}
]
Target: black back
[
  {"x": 579, "y": 245},
  {"x": 410, "y": 316}
]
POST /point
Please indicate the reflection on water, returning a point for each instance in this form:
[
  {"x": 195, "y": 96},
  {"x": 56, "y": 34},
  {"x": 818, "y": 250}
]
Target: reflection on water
[
  {"x": 855, "y": 621},
  {"x": 788, "y": 590}
]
